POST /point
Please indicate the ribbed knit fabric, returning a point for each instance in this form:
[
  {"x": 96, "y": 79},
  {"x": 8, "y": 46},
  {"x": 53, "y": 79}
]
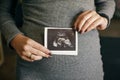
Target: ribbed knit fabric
[
  {"x": 37, "y": 14},
  {"x": 86, "y": 66}
]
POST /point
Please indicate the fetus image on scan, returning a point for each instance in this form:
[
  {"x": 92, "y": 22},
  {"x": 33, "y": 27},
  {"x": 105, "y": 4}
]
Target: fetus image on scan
[{"x": 61, "y": 39}]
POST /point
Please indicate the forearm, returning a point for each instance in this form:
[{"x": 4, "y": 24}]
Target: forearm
[
  {"x": 7, "y": 23},
  {"x": 105, "y": 8}
]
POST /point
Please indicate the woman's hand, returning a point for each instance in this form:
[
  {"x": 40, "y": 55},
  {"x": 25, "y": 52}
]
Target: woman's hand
[
  {"x": 89, "y": 20},
  {"x": 28, "y": 49}
]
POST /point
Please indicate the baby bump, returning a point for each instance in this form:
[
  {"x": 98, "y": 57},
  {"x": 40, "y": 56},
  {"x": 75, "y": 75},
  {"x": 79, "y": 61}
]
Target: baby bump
[{"x": 88, "y": 53}]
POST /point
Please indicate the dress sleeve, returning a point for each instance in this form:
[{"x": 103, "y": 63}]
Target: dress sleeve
[
  {"x": 105, "y": 8},
  {"x": 7, "y": 23}
]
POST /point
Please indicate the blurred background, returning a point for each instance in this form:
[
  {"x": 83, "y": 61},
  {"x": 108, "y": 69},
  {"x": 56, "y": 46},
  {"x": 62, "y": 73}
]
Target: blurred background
[{"x": 110, "y": 49}]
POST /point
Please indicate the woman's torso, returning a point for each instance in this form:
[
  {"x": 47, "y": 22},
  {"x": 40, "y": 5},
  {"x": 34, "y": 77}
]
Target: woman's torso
[{"x": 38, "y": 14}]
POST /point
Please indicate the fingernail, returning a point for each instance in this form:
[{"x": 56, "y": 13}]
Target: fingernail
[
  {"x": 49, "y": 54},
  {"x": 74, "y": 28},
  {"x": 32, "y": 60},
  {"x": 85, "y": 30},
  {"x": 80, "y": 31}
]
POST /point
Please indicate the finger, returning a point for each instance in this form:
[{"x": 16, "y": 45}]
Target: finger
[
  {"x": 26, "y": 53},
  {"x": 30, "y": 56},
  {"x": 38, "y": 46},
  {"x": 28, "y": 50},
  {"x": 38, "y": 52},
  {"x": 83, "y": 19},
  {"x": 34, "y": 57},
  {"x": 26, "y": 58},
  {"x": 78, "y": 19},
  {"x": 94, "y": 25},
  {"x": 89, "y": 22}
]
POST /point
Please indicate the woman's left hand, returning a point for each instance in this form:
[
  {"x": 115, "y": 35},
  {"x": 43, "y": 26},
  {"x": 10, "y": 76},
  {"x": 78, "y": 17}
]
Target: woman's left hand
[{"x": 89, "y": 20}]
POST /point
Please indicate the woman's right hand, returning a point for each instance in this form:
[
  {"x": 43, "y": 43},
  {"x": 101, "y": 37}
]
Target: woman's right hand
[{"x": 29, "y": 49}]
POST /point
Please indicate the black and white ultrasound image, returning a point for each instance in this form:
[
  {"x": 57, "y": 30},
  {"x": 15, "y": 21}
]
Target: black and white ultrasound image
[{"x": 61, "y": 39}]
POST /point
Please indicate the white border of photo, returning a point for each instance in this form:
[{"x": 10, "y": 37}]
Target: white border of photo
[{"x": 61, "y": 52}]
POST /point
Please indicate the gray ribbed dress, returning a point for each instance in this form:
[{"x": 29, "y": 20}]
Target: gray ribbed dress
[{"x": 38, "y": 14}]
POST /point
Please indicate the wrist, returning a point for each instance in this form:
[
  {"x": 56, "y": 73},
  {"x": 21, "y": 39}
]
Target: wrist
[{"x": 15, "y": 39}]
